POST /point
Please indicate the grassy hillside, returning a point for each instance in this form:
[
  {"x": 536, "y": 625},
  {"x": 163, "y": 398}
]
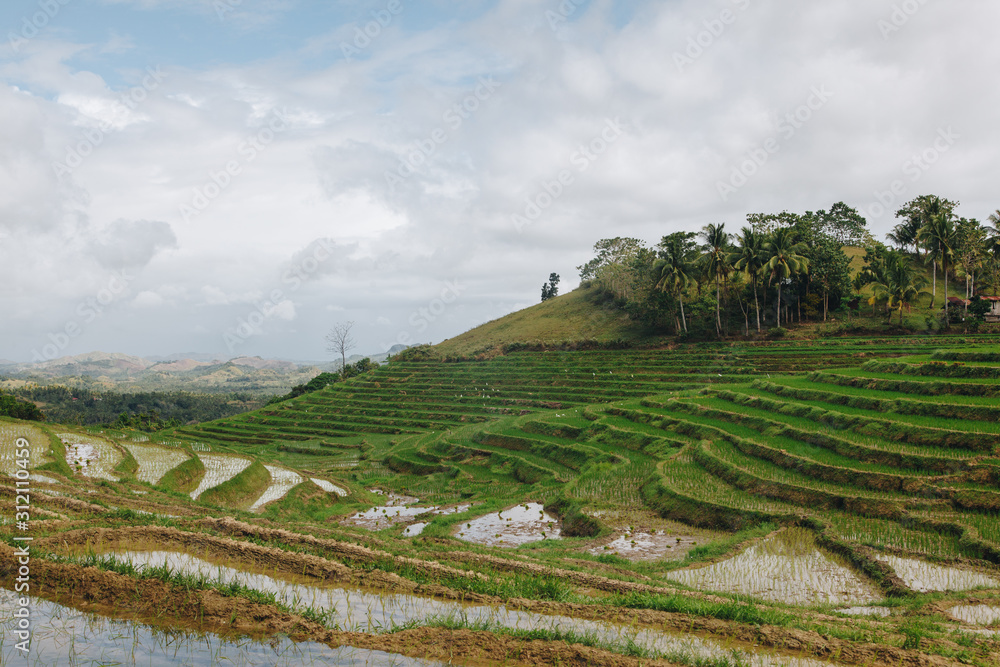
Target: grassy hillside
[
  {"x": 575, "y": 316},
  {"x": 594, "y": 484}
]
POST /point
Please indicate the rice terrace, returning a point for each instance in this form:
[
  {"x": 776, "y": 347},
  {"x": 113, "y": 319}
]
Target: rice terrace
[
  {"x": 278, "y": 387},
  {"x": 791, "y": 502}
]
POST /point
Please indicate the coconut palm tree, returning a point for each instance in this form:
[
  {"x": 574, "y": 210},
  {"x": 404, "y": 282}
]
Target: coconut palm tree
[
  {"x": 938, "y": 235},
  {"x": 675, "y": 273},
  {"x": 899, "y": 283},
  {"x": 906, "y": 234},
  {"x": 993, "y": 234},
  {"x": 785, "y": 259},
  {"x": 749, "y": 259},
  {"x": 715, "y": 260}
]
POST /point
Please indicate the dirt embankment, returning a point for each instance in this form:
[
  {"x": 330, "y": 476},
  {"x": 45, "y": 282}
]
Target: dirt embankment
[
  {"x": 108, "y": 593},
  {"x": 39, "y": 497},
  {"x": 366, "y": 555},
  {"x": 64, "y": 579},
  {"x": 155, "y": 602}
]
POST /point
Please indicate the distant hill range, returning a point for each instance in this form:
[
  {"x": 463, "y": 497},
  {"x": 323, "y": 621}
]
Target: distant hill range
[{"x": 184, "y": 372}]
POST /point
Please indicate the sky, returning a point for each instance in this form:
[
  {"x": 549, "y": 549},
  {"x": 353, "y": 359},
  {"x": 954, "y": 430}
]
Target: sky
[{"x": 236, "y": 177}]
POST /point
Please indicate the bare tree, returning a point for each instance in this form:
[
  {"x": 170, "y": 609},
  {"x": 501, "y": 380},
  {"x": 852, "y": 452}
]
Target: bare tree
[{"x": 340, "y": 341}]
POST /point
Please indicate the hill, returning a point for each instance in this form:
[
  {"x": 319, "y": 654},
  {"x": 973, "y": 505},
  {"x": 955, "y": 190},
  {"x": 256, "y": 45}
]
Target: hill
[
  {"x": 101, "y": 371},
  {"x": 766, "y": 490},
  {"x": 574, "y": 317}
]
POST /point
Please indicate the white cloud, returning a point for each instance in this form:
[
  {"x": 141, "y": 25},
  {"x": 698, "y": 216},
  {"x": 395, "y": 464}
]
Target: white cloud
[
  {"x": 273, "y": 193},
  {"x": 147, "y": 299}
]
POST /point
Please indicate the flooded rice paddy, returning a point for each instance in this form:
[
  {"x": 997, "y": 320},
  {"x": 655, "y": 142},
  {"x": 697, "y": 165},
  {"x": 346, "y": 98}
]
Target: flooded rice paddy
[
  {"x": 283, "y": 480},
  {"x": 43, "y": 479},
  {"x": 219, "y": 468},
  {"x": 640, "y": 545},
  {"x": 329, "y": 487},
  {"x": 415, "y": 529},
  {"x": 373, "y": 612},
  {"x": 37, "y": 440},
  {"x": 517, "y": 525},
  {"x": 154, "y": 462},
  {"x": 91, "y": 457},
  {"x": 64, "y": 636},
  {"x": 976, "y": 614},
  {"x": 787, "y": 567},
  {"x": 399, "y": 509},
  {"x": 924, "y": 577}
]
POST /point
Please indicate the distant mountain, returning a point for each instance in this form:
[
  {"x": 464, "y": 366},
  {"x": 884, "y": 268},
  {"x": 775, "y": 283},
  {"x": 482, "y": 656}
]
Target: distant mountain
[
  {"x": 259, "y": 363},
  {"x": 189, "y": 372},
  {"x": 180, "y": 356},
  {"x": 91, "y": 364},
  {"x": 179, "y": 365}
]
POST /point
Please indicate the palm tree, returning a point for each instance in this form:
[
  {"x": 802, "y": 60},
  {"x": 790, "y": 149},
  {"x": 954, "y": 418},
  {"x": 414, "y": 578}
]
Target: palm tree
[
  {"x": 899, "y": 283},
  {"x": 938, "y": 235},
  {"x": 906, "y": 234},
  {"x": 993, "y": 234},
  {"x": 675, "y": 272},
  {"x": 749, "y": 259},
  {"x": 785, "y": 259},
  {"x": 716, "y": 261}
]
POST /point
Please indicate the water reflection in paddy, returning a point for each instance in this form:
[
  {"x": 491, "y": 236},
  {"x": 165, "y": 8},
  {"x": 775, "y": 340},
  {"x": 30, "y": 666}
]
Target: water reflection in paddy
[
  {"x": 787, "y": 567},
  {"x": 520, "y": 524},
  {"x": 924, "y": 577},
  {"x": 64, "y": 636},
  {"x": 399, "y": 510},
  {"x": 976, "y": 614},
  {"x": 369, "y": 611}
]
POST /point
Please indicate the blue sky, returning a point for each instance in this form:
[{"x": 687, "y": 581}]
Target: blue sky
[{"x": 237, "y": 173}]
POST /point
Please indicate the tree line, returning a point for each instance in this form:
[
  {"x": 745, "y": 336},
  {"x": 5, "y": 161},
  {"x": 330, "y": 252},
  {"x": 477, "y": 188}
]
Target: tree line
[
  {"x": 786, "y": 267},
  {"x": 146, "y": 411},
  {"x": 952, "y": 245}
]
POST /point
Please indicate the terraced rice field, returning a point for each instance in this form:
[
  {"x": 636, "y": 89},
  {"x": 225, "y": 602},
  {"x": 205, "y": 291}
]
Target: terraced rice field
[
  {"x": 827, "y": 502},
  {"x": 91, "y": 456},
  {"x": 219, "y": 468},
  {"x": 11, "y": 435},
  {"x": 283, "y": 480},
  {"x": 154, "y": 461}
]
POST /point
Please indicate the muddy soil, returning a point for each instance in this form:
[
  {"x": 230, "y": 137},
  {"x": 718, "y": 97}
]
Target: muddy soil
[
  {"x": 60, "y": 579},
  {"x": 89, "y": 589}
]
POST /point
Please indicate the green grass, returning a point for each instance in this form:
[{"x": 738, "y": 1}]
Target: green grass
[
  {"x": 185, "y": 477},
  {"x": 240, "y": 491}
]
